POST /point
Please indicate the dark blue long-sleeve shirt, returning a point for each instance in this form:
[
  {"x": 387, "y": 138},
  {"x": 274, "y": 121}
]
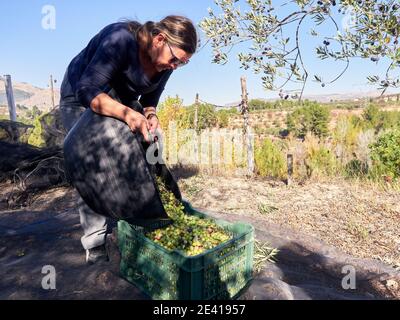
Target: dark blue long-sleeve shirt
[{"x": 111, "y": 61}]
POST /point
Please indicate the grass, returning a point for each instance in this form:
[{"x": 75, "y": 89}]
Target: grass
[
  {"x": 263, "y": 253},
  {"x": 358, "y": 230},
  {"x": 265, "y": 209}
]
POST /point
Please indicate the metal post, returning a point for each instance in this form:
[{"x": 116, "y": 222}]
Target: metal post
[
  {"x": 10, "y": 98},
  {"x": 52, "y": 92}
]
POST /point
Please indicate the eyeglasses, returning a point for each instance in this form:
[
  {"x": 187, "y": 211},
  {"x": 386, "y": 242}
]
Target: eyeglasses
[{"x": 175, "y": 60}]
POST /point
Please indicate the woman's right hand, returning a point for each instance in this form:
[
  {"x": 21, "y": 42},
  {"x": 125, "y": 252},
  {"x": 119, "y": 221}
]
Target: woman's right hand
[{"x": 137, "y": 122}]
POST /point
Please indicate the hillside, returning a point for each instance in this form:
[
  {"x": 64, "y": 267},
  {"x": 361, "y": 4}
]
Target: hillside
[
  {"x": 28, "y": 95},
  {"x": 270, "y": 122}
]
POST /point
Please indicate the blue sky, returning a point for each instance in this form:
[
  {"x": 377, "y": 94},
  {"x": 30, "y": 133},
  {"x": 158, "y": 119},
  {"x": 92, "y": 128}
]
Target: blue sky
[{"x": 30, "y": 53}]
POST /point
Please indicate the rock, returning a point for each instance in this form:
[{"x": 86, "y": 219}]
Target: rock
[{"x": 391, "y": 284}]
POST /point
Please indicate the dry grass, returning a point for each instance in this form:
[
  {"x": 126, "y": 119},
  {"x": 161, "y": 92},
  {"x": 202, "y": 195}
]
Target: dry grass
[{"x": 359, "y": 217}]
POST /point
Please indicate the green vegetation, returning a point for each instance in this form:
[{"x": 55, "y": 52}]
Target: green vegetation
[
  {"x": 33, "y": 113},
  {"x": 311, "y": 117},
  {"x": 346, "y": 150},
  {"x": 269, "y": 160},
  {"x": 279, "y": 104},
  {"x": 37, "y": 136},
  {"x": 385, "y": 153},
  {"x": 320, "y": 161}
]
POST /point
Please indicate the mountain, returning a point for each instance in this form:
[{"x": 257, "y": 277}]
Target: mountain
[
  {"x": 347, "y": 96},
  {"x": 28, "y": 95}
]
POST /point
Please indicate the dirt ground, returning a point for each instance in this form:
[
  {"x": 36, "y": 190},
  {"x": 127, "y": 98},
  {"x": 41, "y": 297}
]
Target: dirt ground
[
  {"x": 319, "y": 227},
  {"x": 361, "y": 220}
]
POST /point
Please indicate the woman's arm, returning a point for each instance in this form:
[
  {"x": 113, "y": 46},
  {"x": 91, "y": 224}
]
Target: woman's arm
[{"x": 103, "y": 104}]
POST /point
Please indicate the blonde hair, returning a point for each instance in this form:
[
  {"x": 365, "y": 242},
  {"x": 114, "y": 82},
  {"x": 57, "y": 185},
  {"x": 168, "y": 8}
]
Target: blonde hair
[{"x": 178, "y": 30}]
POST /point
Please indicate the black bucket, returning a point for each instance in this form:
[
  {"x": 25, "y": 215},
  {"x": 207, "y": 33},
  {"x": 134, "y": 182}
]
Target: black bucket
[{"x": 106, "y": 162}]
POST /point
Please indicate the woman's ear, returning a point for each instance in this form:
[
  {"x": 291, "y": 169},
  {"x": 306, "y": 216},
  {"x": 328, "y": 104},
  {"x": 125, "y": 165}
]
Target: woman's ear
[{"x": 160, "y": 40}]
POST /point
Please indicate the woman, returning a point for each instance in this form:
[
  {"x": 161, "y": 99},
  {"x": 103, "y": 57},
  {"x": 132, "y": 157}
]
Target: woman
[{"x": 122, "y": 73}]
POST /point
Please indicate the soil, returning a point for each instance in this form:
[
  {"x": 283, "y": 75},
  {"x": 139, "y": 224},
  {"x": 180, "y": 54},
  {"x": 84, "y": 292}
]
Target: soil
[{"x": 318, "y": 227}]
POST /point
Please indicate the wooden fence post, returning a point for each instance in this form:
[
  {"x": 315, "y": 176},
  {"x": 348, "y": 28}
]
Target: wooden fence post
[
  {"x": 289, "y": 169},
  {"x": 246, "y": 128},
  {"x": 196, "y": 120},
  {"x": 10, "y": 98},
  {"x": 196, "y": 107}
]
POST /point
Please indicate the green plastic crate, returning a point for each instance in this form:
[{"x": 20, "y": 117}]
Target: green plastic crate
[{"x": 223, "y": 272}]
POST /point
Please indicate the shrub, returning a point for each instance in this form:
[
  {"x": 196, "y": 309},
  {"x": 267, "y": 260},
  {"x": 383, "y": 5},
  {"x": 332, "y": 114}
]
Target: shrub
[
  {"x": 345, "y": 137},
  {"x": 37, "y": 136},
  {"x": 311, "y": 117},
  {"x": 224, "y": 115},
  {"x": 48, "y": 130},
  {"x": 269, "y": 160},
  {"x": 319, "y": 159},
  {"x": 390, "y": 120},
  {"x": 170, "y": 110},
  {"x": 371, "y": 116},
  {"x": 385, "y": 154},
  {"x": 380, "y": 120},
  {"x": 356, "y": 168},
  {"x": 257, "y": 104},
  {"x": 206, "y": 117}
]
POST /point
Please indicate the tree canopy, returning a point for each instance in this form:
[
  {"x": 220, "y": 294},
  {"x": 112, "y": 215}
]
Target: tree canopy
[{"x": 368, "y": 29}]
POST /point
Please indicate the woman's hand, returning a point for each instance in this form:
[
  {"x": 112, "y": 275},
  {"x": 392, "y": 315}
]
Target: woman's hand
[
  {"x": 105, "y": 105},
  {"x": 154, "y": 123},
  {"x": 138, "y": 123}
]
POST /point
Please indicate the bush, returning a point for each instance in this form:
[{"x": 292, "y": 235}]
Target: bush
[
  {"x": 170, "y": 110},
  {"x": 372, "y": 116},
  {"x": 223, "y": 118},
  {"x": 48, "y": 130},
  {"x": 356, "y": 168},
  {"x": 311, "y": 117},
  {"x": 319, "y": 160},
  {"x": 37, "y": 136},
  {"x": 385, "y": 154},
  {"x": 390, "y": 120},
  {"x": 347, "y": 130},
  {"x": 257, "y": 104},
  {"x": 206, "y": 117},
  {"x": 380, "y": 120},
  {"x": 269, "y": 160}
]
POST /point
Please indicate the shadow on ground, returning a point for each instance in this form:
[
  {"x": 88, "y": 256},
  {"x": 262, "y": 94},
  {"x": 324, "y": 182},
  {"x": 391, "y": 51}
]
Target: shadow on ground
[
  {"x": 33, "y": 239},
  {"x": 306, "y": 268}
]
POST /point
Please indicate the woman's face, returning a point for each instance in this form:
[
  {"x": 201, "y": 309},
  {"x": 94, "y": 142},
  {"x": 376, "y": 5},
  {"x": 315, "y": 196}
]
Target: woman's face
[{"x": 165, "y": 56}]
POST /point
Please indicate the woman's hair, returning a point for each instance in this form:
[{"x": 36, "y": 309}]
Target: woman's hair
[{"x": 179, "y": 31}]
